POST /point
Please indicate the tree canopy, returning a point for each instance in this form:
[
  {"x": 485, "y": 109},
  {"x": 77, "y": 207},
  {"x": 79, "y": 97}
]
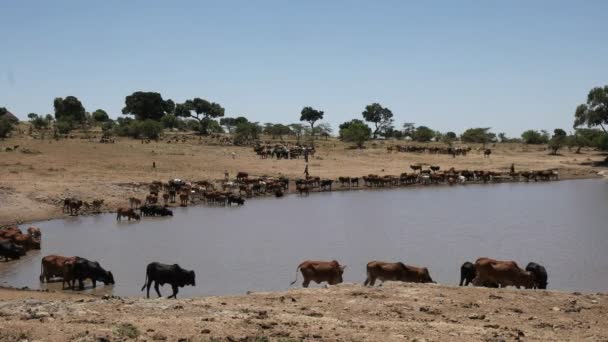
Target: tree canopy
[
  {"x": 535, "y": 137},
  {"x": 6, "y": 126},
  {"x": 69, "y": 109},
  {"x": 208, "y": 110},
  {"x": 423, "y": 134},
  {"x": 100, "y": 115},
  {"x": 147, "y": 105},
  {"x": 595, "y": 111},
  {"x": 355, "y": 131},
  {"x": 381, "y": 117},
  {"x": 480, "y": 135},
  {"x": 311, "y": 115}
]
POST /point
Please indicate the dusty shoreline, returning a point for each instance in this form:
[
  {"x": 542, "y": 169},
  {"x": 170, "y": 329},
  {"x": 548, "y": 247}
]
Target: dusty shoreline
[
  {"x": 36, "y": 178},
  {"x": 347, "y": 312}
]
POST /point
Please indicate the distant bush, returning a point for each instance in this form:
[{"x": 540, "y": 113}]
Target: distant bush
[
  {"x": 6, "y": 126},
  {"x": 64, "y": 126},
  {"x": 149, "y": 129},
  {"x": 535, "y": 137}
]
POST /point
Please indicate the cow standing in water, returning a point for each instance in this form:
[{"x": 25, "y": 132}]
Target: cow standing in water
[
  {"x": 320, "y": 271},
  {"x": 162, "y": 274}
]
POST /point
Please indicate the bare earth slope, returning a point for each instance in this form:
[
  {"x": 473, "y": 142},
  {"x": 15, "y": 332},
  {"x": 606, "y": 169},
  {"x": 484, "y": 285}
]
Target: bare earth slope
[{"x": 393, "y": 312}]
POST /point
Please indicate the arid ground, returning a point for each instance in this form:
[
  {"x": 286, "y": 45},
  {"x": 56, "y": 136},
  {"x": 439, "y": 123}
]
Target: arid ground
[
  {"x": 348, "y": 312},
  {"x": 35, "y": 178}
]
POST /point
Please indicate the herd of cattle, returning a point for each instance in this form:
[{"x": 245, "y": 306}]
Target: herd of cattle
[
  {"x": 454, "y": 151},
  {"x": 281, "y": 151},
  {"x": 484, "y": 272},
  {"x": 14, "y": 243}
]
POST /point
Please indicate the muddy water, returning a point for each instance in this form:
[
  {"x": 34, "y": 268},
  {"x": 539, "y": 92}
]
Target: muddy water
[{"x": 562, "y": 225}]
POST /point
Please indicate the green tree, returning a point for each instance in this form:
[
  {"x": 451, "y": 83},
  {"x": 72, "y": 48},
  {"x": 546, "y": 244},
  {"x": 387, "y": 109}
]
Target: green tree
[
  {"x": 170, "y": 121},
  {"x": 100, "y": 115},
  {"x": 355, "y": 131},
  {"x": 535, "y": 137},
  {"x": 557, "y": 140},
  {"x": 6, "y": 126},
  {"x": 381, "y": 117},
  {"x": 69, "y": 109},
  {"x": 64, "y": 126},
  {"x": 247, "y": 132},
  {"x": 150, "y": 129},
  {"x": 423, "y": 134},
  {"x": 595, "y": 111},
  {"x": 208, "y": 110},
  {"x": 311, "y": 115},
  {"x": 480, "y": 135},
  {"x": 408, "y": 129},
  {"x": 38, "y": 122},
  {"x": 147, "y": 105}
]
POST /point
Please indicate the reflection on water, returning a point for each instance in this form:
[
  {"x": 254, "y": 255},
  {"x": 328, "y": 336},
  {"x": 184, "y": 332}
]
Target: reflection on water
[{"x": 561, "y": 225}]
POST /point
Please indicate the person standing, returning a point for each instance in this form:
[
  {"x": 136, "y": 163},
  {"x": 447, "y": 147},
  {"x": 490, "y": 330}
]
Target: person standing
[{"x": 306, "y": 171}]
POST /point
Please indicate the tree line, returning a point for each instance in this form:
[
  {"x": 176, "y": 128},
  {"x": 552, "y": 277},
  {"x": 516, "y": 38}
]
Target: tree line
[{"x": 147, "y": 114}]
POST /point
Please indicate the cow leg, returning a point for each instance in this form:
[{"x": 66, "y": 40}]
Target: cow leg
[
  {"x": 175, "y": 291},
  {"x": 306, "y": 282},
  {"x": 148, "y": 288},
  {"x": 94, "y": 283},
  {"x": 156, "y": 288}
]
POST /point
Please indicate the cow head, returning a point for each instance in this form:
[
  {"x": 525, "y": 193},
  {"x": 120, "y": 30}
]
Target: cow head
[
  {"x": 426, "y": 278},
  {"x": 108, "y": 278},
  {"x": 337, "y": 278},
  {"x": 191, "y": 277}
]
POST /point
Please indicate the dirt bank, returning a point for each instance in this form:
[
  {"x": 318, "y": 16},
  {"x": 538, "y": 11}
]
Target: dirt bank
[
  {"x": 393, "y": 312},
  {"x": 36, "y": 177}
]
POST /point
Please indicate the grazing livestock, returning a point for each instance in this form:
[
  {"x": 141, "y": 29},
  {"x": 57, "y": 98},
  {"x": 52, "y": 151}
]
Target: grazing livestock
[
  {"x": 467, "y": 273},
  {"x": 134, "y": 202},
  {"x": 28, "y": 241},
  {"x": 128, "y": 213},
  {"x": 35, "y": 232},
  {"x": 242, "y": 176},
  {"x": 166, "y": 198},
  {"x": 502, "y": 273},
  {"x": 10, "y": 251},
  {"x": 86, "y": 269},
  {"x": 162, "y": 274},
  {"x": 416, "y": 168},
  {"x": 303, "y": 189},
  {"x": 53, "y": 266},
  {"x": 540, "y": 275},
  {"x": 72, "y": 205},
  {"x": 487, "y": 152},
  {"x": 151, "y": 199},
  {"x": 238, "y": 200},
  {"x": 396, "y": 271},
  {"x": 326, "y": 184},
  {"x": 183, "y": 199},
  {"x": 155, "y": 210},
  {"x": 320, "y": 271}
]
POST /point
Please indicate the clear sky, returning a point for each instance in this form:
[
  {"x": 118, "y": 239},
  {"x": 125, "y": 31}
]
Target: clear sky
[{"x": 450, "y": 65}]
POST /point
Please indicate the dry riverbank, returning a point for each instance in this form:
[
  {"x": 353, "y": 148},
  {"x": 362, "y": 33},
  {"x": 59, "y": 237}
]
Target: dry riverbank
[
  {"x": 36, "y": 177},
  {"x": 393, "y": 312}
]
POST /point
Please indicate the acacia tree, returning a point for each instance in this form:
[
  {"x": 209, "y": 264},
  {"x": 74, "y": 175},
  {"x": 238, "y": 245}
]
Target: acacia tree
[
  {"x": 147, "y": 105},
  {"x": 208, "y": 110},
  {"x": 557, "y": 141},
  {"x": 298, "y": 130},
  {"x": 311, "y": 115},
  {"x": 381, "y": 117},
  {"x": 595, "y": 111}
]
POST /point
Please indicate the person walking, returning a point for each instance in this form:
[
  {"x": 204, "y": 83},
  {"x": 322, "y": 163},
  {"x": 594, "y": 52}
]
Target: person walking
[{"x": 306, "y": 171}]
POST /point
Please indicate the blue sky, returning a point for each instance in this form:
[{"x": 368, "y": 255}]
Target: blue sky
[{"x": 450, "y": 65}]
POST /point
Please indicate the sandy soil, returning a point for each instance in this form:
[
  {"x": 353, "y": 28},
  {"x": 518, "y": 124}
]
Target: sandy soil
[
  {"x": 36, "y": 177},
  {"x": 393, "y": 312}
]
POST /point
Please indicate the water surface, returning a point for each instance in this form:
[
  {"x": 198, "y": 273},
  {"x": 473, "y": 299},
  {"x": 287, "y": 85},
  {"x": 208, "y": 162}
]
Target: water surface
[{"x": 562, "y": 225}]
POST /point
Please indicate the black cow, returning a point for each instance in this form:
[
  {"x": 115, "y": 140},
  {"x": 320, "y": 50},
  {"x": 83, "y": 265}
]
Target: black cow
[
  {"x": 238, "y": 200},
  {"x": 162, "y": 274},
  {"x": 467, "y": 273},
  {"x": 9, "y": 250},
  {"x": 155, "y": 210},
  {"x": 84, "y": 269},
  {"x": 540, "y": 275}
]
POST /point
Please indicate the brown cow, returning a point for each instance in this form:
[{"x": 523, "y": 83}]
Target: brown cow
[
  {"x": 134, "y": 202},
  {"x": 502, "y": 273},
  {"x": 396, "y": 271},
  {"x": 151, "y": 199},
  {"x": 52, "y": 266},
  {"x": 27, "y": 241},
  {"x": 320, "y": 271},
  {"x": 183, "y": 199},
  {"x": 128, "y": 213},
  {"x": 35, "y": 232}
]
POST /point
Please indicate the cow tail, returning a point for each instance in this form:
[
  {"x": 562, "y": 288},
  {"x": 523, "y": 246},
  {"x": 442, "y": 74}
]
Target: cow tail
[
  {"x": 146, "y": 282},
  {"x": 297, "y": 269}
]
